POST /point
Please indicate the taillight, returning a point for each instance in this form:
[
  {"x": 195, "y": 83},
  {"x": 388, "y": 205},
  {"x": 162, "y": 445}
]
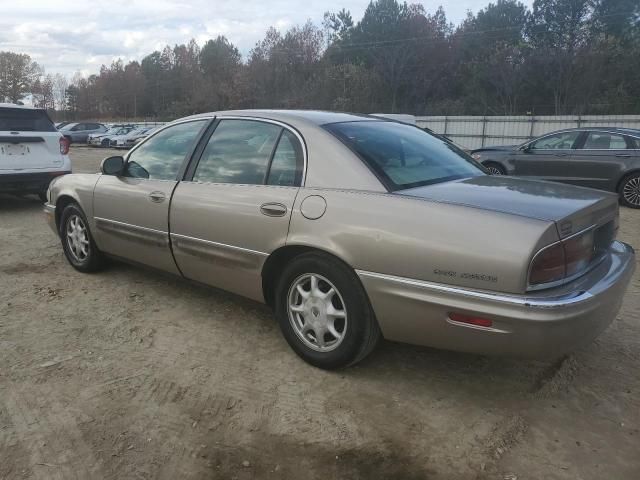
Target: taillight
[
  {"x": 548, "y": 265},
  {"x": 64, "y": 145},
  {"x": 563, "y": 259},
  {"x": 578, "y": 252}
]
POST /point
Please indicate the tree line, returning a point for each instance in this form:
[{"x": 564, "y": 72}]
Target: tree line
[{"x": 559, "y": 57}]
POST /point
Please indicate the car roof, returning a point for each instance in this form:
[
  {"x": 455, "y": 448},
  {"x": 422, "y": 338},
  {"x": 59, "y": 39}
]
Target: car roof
[
  {"x": 620, "y": 130},
  {"x": 316, "y": 117},
  {"x": 15, "y": 105}
]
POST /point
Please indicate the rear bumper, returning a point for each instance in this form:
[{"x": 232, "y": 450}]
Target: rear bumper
[
  {"x": 539, "y": 325},
  {"x": 28, "y": 182}
]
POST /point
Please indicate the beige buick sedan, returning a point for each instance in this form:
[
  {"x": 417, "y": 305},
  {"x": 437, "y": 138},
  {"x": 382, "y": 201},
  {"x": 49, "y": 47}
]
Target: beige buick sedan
[{"x": 354, "y": 228}]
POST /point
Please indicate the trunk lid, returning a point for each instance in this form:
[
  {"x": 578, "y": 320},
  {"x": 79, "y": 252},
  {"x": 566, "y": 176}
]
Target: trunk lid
[{"x": 572, "y": 208}]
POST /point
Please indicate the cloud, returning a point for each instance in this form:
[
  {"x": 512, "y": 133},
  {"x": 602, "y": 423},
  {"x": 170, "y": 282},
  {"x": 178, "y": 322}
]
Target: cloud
[{"x": 81, "y": 35}]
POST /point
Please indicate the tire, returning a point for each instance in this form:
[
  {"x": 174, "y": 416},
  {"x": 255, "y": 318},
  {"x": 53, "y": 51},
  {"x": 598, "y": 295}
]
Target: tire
[
  {"x": 80, "y": 249},
  {"x": 629, "y": 190},
  {"x": 357, "y": 331},
  {"x": 495, "y": 168}
]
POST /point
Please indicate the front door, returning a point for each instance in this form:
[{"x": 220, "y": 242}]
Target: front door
[
  {"x": 235, "y": 206},
  {"x": 547, "y": 158},
  {"x": 131, "y": 211}
]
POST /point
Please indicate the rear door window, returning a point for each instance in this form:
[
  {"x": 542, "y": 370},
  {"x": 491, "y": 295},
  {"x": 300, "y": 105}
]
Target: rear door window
[
  {"x": 604, "y": 141},
  {"x": 238, "y": 152},
  {"x": 287, "y": 164},
  {"x": 25, "y": 120}
]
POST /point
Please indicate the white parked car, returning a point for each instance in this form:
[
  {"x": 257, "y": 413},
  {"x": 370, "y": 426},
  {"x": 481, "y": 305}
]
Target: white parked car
[
  {"x": 130, "y": 139},
  {"x": 32, "y": 150}
]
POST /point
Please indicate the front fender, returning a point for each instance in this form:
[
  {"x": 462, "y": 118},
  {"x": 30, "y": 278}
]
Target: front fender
[{"x": 77, "y": 188}]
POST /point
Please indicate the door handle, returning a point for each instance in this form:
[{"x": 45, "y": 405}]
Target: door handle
[
  {"x": 561, "y": 154},
  {"x": 157, "y": 197},
  {"x": 273, "y": 209},
  {"x": 623, "y": 155}
]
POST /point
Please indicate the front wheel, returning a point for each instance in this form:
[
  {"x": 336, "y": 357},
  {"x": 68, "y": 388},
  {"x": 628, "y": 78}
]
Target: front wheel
[
  {"x": 495, "y": 168},
  {"x": 324, "y": 312},
  {"x": 629, "y": 190},
  {"x": 77, "y": 242}
]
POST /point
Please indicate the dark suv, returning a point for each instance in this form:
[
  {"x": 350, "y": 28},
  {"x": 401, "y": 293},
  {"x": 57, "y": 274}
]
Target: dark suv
[{"x": 597, "y": 157}]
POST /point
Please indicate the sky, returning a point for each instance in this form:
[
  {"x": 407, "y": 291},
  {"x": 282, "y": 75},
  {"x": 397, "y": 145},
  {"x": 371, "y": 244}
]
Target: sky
[{"x": 80, "y": 35}]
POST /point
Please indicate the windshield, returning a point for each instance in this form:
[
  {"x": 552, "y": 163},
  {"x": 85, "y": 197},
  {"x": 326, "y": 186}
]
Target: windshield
[{"x": 404, "y": 156}]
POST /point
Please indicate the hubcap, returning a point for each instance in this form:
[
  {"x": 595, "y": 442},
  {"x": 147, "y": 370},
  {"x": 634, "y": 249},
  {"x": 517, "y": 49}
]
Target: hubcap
[
  {"x": 631, "y": 191},
  {"x": 494, "y": 170},
  {"x": 77, "y": 238},
  {"x": 317, "y": 312}
]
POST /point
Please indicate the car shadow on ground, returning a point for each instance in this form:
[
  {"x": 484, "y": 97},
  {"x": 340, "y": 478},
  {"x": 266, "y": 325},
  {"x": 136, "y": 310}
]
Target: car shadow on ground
[{"x": 15, "y": 203}]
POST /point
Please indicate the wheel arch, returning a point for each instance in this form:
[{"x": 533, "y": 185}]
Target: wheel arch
[
  {"x": 498, "y": 163},
  {"x": 279, "y": 258},
  {"x": 61, "y": 202},
  {"x": 624, "y": 176}
]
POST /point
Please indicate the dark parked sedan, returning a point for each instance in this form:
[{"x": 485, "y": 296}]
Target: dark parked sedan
[{"x": 598, "y": 157}]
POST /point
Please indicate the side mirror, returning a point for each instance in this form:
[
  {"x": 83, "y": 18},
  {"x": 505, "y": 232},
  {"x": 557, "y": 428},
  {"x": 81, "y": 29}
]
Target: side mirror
[
  {"x": 112, "y": 165},
  {"x": 526, "y": 148}
]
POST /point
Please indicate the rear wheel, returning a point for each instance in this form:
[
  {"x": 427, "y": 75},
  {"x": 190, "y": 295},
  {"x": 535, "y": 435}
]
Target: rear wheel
[
  {"x": 495, "y": 168},
  {"x": 629, "y": 190},
  {"x": 77, "y": 242},
  {"x": 324, "y": 312}
]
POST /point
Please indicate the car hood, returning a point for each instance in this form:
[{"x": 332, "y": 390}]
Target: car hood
[{"x": 573, "y": 208}]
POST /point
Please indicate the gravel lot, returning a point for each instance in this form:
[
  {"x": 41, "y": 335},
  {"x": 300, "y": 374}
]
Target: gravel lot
[{"x": 132, "y": 374}]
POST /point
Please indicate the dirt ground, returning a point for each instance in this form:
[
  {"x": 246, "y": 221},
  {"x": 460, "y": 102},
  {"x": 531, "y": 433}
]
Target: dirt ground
[{"x": 129, "y": 374}]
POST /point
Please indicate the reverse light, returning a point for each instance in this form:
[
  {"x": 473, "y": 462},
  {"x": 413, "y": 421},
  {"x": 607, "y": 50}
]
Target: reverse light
[
  {"x": 470, "y": 319},
  {"x": 64, "y": 145}
]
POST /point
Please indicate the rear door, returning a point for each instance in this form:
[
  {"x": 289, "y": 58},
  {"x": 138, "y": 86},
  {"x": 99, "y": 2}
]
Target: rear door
[
  {"x": 548, "y": 157},
  {"x": 601, "y": 159},
  {"x": 29, "y": 141},
  {"x": 234, "y": 208},
  {"x": 131, "y": 211}
]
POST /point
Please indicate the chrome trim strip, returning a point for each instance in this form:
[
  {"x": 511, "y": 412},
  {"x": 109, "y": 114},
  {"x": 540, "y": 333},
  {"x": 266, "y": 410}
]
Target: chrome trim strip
[
  {"x": 518, "y": 300},
  {"x": 133, "y": 227},
  {"x": 217, "y": 244},
  {"x": 476, "y": 327}
]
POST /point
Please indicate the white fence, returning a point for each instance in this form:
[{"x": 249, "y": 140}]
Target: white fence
[{"x": 476, "y": 132}]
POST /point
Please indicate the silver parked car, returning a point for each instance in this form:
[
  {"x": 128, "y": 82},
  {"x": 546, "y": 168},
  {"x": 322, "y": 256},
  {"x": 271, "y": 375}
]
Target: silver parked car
[
  {"x": 79, "y": 132},
  {"x": 596, "y": 157},
  {"x": 355, "y": 228},
  {"x": 128, "y": 140}
]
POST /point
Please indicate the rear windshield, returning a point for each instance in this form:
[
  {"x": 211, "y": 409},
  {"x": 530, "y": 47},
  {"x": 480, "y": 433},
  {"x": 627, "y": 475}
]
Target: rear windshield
[
  {"x": 404, "y": 156},
  {"x": 25, "y": 120}
]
